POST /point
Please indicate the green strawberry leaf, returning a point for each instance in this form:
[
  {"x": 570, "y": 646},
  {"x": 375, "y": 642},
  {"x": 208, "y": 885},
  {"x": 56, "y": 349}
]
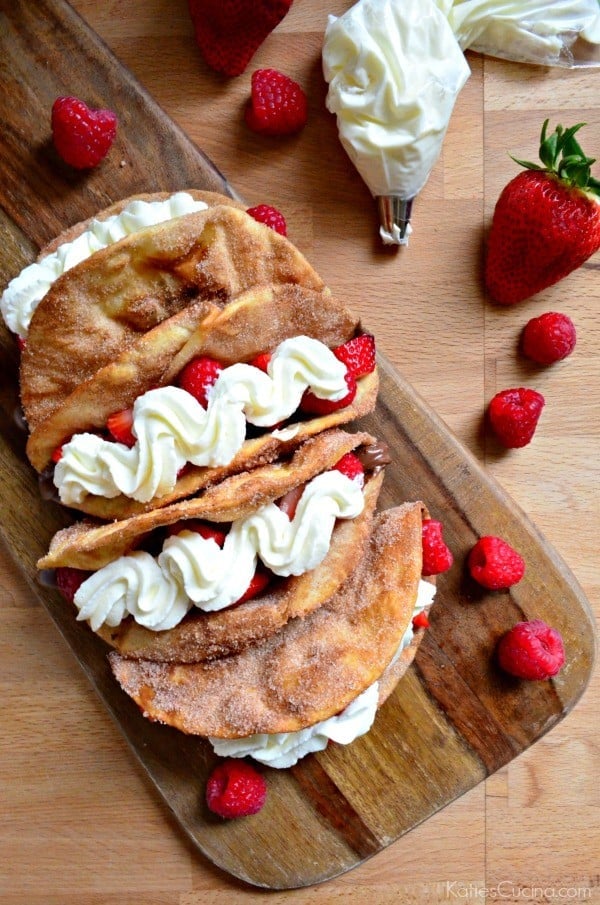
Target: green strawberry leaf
[{"x": 562, "y": 156}]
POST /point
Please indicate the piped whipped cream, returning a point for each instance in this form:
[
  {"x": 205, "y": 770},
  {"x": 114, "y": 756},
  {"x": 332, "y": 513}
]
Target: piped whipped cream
[
  {"x": 23, "y": 294},
  {"x": 284, "y": 749},
  {"x": 194, "y": 571},
  {"x": 394, "y": 71},
  {"x": 528, "y": 30},
  {"x": 172, "y": 428}
]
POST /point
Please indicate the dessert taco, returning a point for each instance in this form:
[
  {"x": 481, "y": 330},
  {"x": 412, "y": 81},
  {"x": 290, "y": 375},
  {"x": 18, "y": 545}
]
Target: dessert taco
[
  {"x": 252, "y": 381},
  {"x": 210, "y": 575},
  {"x": 96, "y": 309},
  {"x": 317, "y": 678}
]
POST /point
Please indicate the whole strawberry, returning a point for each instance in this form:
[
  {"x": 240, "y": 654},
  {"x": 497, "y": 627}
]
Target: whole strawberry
[
  {"x": 82, "y": 136},
  {"x": 546, "y": 222},
  {"x": 229, "y": 32}
]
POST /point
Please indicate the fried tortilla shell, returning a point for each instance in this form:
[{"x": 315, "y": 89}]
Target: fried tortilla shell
[
  {"x": 204, "y": 636},
  {"x": 97, "y": 309},
  {"x": 256, "y": 321},
  {"x": 309, "y": 670},
  {"x": 89, "y": 545}
]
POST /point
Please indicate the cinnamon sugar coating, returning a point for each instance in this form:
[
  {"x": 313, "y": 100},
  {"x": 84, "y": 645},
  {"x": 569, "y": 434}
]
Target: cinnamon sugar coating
[{"x": 310, "y": 669}]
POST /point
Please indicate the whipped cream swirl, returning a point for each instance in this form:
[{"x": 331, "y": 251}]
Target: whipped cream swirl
[
  {"x": 284, "y": 749},
  {"x": 23, "y": 294},
  {"x": 172, "y": 428},
  {"x": 193, "y": 570}
]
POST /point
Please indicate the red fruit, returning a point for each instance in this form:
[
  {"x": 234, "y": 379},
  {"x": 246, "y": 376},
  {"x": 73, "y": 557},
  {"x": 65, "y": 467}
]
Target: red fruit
[
  {"x": 514, "y": 415},
  {"x": 68, "y": 581},
  {"x": 358, "y": 354},
  {"x": 546, "y": 222},
  {"x": 57, "y": 454},
  {"x": 288, "y": 503},
  {"x": 549, "y": 337},
  {"x": 235, "y": 789},
  {"x": 229, "y": 32},
  {"x": 531, "y": 650},
  {"x": 22, "y": 343},
  {"x": 204, "y": 529},
  {"x": 420, "y": 620},
  {"x": 261, "y": 361},
  {"x": 277, "y": 105},
  {"x": 82, "y": 136},
  {"x": 494, "y": 564},
  {"x": 270, "y": 216},
  {"x": 437, "y": 556},
  {"x": 259, "y": 582},
  {"x": 313, "y": 405},
  {"x": 198, "y": 376},
  {"x": 119, "y": 425},
  {"x": 351, "y": 466}
]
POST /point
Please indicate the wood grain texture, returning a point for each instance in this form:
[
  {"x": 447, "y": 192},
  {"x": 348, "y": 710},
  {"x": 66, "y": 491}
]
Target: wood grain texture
[{"x": 533, "y": 821}]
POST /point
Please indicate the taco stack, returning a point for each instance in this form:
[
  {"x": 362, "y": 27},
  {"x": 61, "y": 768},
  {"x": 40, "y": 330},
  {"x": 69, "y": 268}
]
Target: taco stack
[{"x": 189, "y": 382}]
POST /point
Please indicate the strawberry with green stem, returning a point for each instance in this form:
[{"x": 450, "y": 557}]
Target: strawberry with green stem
[{"x": 546, "y": 222}]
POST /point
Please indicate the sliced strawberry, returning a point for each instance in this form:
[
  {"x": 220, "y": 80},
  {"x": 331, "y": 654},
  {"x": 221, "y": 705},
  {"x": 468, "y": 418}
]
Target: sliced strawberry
[
  {"x": 204, "y": 529},
  {"x": 57, "y": 454},
  {"x": 351, "y": 466},
  {"x": 198, "y": 376},
  {"x": 68, "y": 581},
  {"x": 358, "y": 354},
  {"x": 313, "y": 405},
  {"x": 22, "y": 343},
  {"x": 119, "y": 425},
  {"x": 262, "y": 361},
  {"x": 288, "y": 503},
  {"x": 259, "y": 582}
]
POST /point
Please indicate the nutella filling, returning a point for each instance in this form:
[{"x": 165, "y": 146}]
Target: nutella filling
[{"x": 374, "y": 457}]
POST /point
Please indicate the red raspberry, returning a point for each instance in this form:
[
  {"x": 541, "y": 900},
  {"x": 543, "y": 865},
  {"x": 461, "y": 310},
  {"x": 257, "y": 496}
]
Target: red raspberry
[
  {"x": 421, "y": 620},
  {"x": 204, "y": 529},
  {"x": 549, "y": 338},
  {"x": 351, "y": 466},
  {"x": 358, "y": 354},
  {"x": 82, "y": 136},
  {"x": 437, "y": 556},
  {"x": 259, "y": 582},
  {"x": 68, "y": 581},
  {"x": 531, "y": 650},
  {"x": 198, "y": 376},
  {"x": 278, "y": 104},
  {"x": 313, "y": 405},
  {"x": 119, "y": 425},
  {"x": 235, "y": 789},
  {"x": 261, "y": 361},
  {"x": 514, "y": 415},
  {"x": 270, "y": 216},
  {"x": 494, "y": 564}
]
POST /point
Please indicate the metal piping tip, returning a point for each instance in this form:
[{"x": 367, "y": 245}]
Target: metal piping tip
[{"x": 394, "y": 216}]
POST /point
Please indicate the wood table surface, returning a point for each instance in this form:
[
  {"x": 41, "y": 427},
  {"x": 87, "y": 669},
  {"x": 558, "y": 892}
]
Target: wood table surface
[{"x": 532, "y": 830}]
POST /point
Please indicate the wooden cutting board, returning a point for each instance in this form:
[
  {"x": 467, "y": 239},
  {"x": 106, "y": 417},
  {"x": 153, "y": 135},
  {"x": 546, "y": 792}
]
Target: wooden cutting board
[{"x": 454, "y": 719}]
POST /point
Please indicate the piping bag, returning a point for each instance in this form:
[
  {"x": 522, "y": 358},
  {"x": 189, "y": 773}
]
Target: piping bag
[{"x": 394, "y": 69}]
